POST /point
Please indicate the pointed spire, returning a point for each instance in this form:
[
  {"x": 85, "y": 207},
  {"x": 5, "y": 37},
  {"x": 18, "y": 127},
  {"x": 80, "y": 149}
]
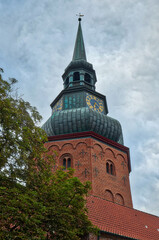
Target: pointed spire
[{"x": 79, "y": 50}]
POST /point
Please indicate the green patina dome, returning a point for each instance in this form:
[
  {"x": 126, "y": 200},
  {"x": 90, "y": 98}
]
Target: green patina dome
[
  {"x": 81, "y": 120},
  {"x": 79, "y": 108}
]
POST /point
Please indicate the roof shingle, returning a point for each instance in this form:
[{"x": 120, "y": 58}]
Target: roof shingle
[{"x": 121, "y": 220}]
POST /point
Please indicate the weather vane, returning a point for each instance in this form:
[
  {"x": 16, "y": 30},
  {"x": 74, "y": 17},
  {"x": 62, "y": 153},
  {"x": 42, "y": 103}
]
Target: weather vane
[{"x": 79, "y": 16}]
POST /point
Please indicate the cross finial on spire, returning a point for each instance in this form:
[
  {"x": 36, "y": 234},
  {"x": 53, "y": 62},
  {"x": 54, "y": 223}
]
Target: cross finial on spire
[{"x": 79, "y": 16}]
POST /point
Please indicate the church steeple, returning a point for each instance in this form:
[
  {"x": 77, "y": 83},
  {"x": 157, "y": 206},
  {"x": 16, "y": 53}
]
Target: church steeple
[
  {"x": 79, "y": 50},
  {"x": 79, "y": 108},
  {"x": 82, "y": 134},
  {"x": 79, "y": 72}
]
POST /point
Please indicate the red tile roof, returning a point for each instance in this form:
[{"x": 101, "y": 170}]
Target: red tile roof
[{"x": 120, "y": 220}]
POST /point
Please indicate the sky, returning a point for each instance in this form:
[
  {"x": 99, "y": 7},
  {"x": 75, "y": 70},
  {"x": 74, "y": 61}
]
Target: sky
[{"x": 122, "y": 42}]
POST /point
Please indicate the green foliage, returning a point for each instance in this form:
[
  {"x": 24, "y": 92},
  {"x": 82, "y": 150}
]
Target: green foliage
[
  {"x": 55, "y": 209},
  {"x": 21, "y": 140},
  {"x": 45, "y": 205},
  {"x": 21, "y": 213}
]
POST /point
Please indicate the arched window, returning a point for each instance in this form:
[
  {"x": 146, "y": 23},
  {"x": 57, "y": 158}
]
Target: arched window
[
  {"x": 110, "y": 167},
  {"x": 87, "y": 78},
  {"x": 66, "y": 161},
  {"x": 107, "y": 167},
  {"x": 76, "y": 76},
  {"x": 109, "y": 195},
  {"x": 67, "y": 81},
  {"x": 119, "y": 199}
]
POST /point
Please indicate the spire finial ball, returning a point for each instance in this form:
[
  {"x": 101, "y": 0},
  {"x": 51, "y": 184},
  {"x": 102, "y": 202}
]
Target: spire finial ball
[{"x": 80, "y": 16}]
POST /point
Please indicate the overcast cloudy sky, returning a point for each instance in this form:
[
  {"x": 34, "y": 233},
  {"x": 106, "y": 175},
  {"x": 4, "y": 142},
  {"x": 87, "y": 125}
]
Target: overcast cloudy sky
[{"x": 122, "y": 42}]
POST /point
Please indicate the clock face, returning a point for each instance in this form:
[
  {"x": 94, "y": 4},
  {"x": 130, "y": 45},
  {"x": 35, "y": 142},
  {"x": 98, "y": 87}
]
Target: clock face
[
  {"x": 58, "y": 106},
  {"x": 95, "y": 103}
]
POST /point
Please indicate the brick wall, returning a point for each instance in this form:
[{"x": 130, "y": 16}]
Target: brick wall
[{"x": 89, "y": 157}]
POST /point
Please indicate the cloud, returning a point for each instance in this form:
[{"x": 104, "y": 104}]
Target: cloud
[{"x": 147, "y": 173}]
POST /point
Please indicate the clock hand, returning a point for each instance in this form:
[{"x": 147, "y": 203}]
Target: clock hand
[{"x": 96, "y": 104}]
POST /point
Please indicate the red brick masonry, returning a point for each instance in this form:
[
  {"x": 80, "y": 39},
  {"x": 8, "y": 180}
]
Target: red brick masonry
[{"x": 89, "y": 153}]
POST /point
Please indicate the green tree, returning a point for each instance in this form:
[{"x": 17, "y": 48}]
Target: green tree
[
  {"x": 55, "y": 209},
  {"x": 21, "y": 140},
  {"x": 44, "y": 205}
]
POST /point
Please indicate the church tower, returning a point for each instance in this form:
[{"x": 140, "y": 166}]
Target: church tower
[{"x": 84, "y": 136}]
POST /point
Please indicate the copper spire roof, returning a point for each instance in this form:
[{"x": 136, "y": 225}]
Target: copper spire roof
[
  {"x": 70, "y": 111},
  {"x": 79, "y": 50}
]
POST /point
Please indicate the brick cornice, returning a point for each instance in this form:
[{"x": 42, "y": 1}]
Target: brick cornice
[{"x": 93, "y": 135}]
